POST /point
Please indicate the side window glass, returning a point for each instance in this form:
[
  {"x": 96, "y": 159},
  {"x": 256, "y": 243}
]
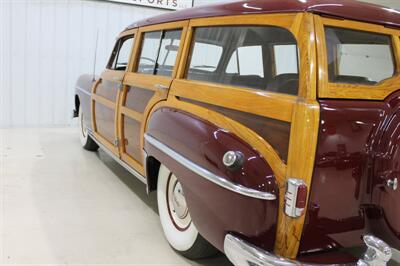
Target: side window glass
[
  {"x": 120, "y": 56},
  {"x": 123, "y": 54},
  {"x": 242, "y": 62},
  {"x": 159, "y": 51},
  {"x": 205, "y": 58},
  {"x": 245, "y": 57},
  {"x": 358, "y": 57},
  {"x": 168, "y": 52},
  {"x": 149, "y": 52},
  {"x": 286, "y": 59}
]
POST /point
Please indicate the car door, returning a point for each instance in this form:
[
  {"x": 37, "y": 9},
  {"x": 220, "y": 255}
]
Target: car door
[
  {"x": 157, "y": 52},
  {"x": 106, "y": 93},
  {"x": 254, "y": 76}
]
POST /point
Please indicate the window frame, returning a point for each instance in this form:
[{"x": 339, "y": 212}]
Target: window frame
[
  {"x": 223, "y": 64},
  {"x": 379, "y": 91},
  {"x": 171, "y": 26},
  {"x": 117, "y": 47},
  {"x": 276, "y": 101}
]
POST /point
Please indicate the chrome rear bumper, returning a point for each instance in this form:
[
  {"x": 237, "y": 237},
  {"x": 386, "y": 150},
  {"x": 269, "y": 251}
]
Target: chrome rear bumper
[{"x": 241, "y": 253}]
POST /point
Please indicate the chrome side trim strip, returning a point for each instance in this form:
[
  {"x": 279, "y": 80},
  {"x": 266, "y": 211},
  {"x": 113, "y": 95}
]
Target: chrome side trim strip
[
  {"x": 222, "y": 182},
  {"x": 84, "y": 91},
  {"x": 122, "y": 163}
]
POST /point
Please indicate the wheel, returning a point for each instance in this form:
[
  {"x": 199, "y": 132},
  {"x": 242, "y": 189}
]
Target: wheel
[
  {"x": 175, "y": 218},
  {"x": 87, "y": 142}
]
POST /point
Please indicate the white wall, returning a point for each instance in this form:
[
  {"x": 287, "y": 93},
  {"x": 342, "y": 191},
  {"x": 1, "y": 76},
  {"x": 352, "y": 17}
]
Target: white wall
[{"x": 46, "y": 44}]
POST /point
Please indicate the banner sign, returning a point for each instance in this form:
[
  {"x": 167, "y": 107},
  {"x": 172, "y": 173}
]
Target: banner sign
[{"x": 165, "y": 4}]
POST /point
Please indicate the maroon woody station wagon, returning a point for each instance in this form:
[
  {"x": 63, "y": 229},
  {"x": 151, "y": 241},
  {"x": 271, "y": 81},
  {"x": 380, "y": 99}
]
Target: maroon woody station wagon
[{"x": 270, "y": 129}]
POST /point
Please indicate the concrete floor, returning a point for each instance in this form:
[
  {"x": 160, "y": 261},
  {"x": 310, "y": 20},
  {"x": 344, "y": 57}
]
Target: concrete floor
[{"x": 61, "y": 205}]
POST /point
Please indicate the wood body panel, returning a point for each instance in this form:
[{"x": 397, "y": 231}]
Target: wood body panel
[
  {"x": 132, "y": 138},
  {"x": 105, "y": 96},
  {"x": 139, "y": 94},
  {"x": 275, "y": 132},
  {"x": 108, "y": 89},
  {"x": 142, "y": 95},
  {"x": 105, "y": 121},
  {"x": 137, "y": 99}
]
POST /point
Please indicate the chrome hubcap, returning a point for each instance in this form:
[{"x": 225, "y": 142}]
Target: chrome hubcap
[{"x": 177, "y": 204}]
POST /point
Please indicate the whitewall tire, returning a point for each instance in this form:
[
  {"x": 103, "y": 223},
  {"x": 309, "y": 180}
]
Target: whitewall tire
[
  {"x": 176, "y": 222},
  {"x": 86, "y": 141}
]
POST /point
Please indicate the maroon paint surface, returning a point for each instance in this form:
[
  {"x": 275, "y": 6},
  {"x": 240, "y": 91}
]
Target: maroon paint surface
[
  {"x": 217, "y": 211},
  {"x": 348, "y": 9},
  {"x": 346, "y": 193}
]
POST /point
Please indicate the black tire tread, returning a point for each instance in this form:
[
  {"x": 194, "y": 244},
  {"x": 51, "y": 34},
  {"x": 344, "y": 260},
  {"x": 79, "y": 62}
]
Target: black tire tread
[
  {"x": 201, "y": 249},
  {"x": 91, "y": 145}
]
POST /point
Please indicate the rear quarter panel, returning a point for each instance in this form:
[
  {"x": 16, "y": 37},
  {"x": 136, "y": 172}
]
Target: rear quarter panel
[
  {"x": 341, "y": 205},
  {"x": 215, "y": 210}
]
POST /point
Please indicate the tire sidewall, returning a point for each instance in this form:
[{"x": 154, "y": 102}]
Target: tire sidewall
[
  {"x": 180, "y": 240},
  {"x": 83, "y": 132}
]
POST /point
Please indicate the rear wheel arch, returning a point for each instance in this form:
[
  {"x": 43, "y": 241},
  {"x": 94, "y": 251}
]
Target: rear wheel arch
[{"x": 152, "y": 169}]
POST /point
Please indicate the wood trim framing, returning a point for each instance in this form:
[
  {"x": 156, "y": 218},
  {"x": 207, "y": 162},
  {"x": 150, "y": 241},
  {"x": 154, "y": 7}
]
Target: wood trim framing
[
  {"x": 110, "y": 146},
  {"x": 303, "y": 139},
  {"x": 132, "y": 114},
  {"x": 354, "y": 91},
  {"x": 301, "y": 111},
  {"x": 272, "y": 105},
  {"x": 147, "y": 82},
  {"x": 166, "y": 26},
  {"x": 104, "y": 101},
  {"x": 236, "y": 128},
  {"x": 133, "y": 163}
]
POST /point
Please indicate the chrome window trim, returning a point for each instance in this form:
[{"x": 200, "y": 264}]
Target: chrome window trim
[{"x": 218, "y": 180}]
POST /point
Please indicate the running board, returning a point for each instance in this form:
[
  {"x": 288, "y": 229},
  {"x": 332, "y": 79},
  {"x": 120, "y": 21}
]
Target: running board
[{"x": 116, "y": 158}]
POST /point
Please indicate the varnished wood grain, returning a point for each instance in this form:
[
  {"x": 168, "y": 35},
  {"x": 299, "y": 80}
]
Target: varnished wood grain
[
  {"x": 132, "y": 114},
  {"x": 147, "y": 82},
  {"x": 302, "y": 111},
  {"x": 273, "y": 105},
  {"x": 104, "y": 101},
  {"x": 303, "y": 140},
  {"x": 258, "y": 143}
]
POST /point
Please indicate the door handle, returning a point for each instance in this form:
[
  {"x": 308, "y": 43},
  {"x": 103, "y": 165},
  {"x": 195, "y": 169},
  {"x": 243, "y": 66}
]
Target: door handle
[{"x": 161, "y": 87}]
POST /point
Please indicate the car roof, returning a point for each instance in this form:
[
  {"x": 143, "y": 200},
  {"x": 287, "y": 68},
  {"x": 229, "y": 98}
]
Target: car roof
[{"x": 347, "y": 9}]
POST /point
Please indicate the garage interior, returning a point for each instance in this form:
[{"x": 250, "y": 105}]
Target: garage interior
[{"x": 59, "y": 204}]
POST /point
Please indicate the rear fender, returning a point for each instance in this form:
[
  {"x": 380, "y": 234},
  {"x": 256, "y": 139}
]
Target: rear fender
[{"x": 216, "y": 210}]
